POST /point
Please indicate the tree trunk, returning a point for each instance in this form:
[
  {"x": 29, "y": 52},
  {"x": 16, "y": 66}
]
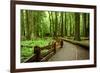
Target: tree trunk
[
  {"x": 65, "y": 24},
  {"x": 22, "y": 25},
  {"x": 50, "y": 22},
  {"x": 88, "y": 22},
  {"x": 27, "y": 25},
  {"x": 84, "y": 24},
  {"x": 56, "y": 22},
  {"x": 77, "y": 27},
  {"x": 62, "y": 24}
]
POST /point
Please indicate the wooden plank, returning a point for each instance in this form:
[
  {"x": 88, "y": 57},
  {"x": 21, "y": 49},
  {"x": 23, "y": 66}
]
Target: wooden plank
[
  {"x": 46, "y": 47},
  {"x": 47, "y": 57},
  {"x": 30, "y": 59}
]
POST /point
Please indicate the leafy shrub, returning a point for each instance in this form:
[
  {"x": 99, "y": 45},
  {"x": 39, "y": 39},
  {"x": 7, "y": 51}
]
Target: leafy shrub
[{"x": 27, "y": 49}]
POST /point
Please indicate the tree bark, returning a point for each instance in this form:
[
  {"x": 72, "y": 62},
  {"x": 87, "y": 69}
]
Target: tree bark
[{"x": 77, "y": 27}]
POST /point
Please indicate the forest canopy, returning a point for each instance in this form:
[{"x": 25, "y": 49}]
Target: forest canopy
[{"x": 40, "y": 24}]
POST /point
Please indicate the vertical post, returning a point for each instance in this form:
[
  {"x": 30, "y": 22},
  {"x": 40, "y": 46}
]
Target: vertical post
[
  {"x": 54, "y": 46},
  {"x": 37, "y": 52},
  {"x": 61, "y": 43}
]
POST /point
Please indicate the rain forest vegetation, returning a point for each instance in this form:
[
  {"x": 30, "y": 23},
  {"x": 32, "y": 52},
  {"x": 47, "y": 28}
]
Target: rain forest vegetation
[{"x": 42, "y": 27}]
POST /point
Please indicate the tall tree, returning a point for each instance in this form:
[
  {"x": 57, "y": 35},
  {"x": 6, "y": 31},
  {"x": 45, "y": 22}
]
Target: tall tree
[
  {"x": 56, "y": 23},
  {"x": 50, "y": 20},
  {"x": 70, "y": 24},
  {"x": 22, "y": 25},
  {"x": 27, "y": 25},
  {"x": 65, "y": 24},
  {"x": 88, "y": 22},
  {"x": 84, "y": 24},
  {"x": 62, "y": 24},
  {"x": 53, "y": 24},
  {"x": 77, "y": 27}
]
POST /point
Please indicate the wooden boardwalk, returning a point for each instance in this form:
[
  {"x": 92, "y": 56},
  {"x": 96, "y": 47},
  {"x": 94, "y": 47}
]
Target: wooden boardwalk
[{"x": 70, "y": 52}]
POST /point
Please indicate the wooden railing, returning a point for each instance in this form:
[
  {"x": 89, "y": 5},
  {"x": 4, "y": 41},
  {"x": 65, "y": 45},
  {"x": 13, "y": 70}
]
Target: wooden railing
[
  {"x": 82, "y": 44},
  {"x": 52, "y": 49}
]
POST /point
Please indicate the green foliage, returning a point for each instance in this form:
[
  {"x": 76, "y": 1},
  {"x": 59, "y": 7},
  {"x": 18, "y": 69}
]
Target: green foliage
[
  {"x": 28, "y": 47},
  {"x": 25, "y": 53},
  {"x": 39, "y": 42}
]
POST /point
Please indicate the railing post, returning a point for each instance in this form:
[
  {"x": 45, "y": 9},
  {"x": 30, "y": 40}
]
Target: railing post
[
  {"x": 37, "y": 52},
  {"x": 54, "y": 46},
  {"x": 61, "y": 43}
]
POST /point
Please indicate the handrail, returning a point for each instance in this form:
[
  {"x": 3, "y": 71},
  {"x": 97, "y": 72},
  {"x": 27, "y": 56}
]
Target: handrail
[{"x": 52, "y": 48}]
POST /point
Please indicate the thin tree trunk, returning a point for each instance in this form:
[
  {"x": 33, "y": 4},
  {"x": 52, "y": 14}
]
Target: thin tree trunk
[
  {"x": 84, "y": 24},
  {"x": 27, "y": 25},
  {"x": 50, "y": 21},
  {"x": 56, "y": 22},
  {"x": 65, "y": 24},
  {"x": 62, "y": 24}
]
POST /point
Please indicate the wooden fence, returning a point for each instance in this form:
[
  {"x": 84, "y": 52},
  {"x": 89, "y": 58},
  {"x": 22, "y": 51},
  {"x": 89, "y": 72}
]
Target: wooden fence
[{"x": 52, "y": 49}]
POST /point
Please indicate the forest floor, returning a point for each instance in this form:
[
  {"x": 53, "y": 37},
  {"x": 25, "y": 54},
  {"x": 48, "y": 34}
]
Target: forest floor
[{"x": 70, "y": 52}]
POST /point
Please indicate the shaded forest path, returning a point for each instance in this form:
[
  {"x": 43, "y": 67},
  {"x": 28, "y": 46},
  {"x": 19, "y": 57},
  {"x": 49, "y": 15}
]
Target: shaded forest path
[{"x": 70, "y": 52}]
